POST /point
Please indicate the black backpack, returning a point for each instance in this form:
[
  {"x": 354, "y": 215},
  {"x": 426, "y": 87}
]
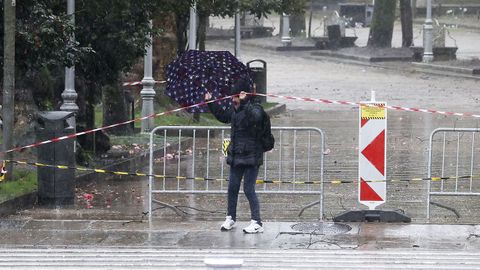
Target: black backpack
[{"x": 265, "y": 136}]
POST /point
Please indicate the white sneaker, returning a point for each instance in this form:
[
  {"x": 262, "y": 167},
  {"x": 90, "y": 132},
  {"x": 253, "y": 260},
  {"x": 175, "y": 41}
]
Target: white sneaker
[
  {"x": 228, "y": 224},
  {"x": 254, "y": 227}
]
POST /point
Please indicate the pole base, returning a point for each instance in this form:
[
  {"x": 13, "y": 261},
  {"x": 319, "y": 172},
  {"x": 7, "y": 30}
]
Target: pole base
[
  {"x": 56, "y": 202},
  {"x": 371, "y": 216}
]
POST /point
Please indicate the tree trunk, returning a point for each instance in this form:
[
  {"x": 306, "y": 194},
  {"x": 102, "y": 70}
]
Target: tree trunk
[
  {"x": 381, "y": 30},
  {"x": 181, "y": 20},
  {"x": 201, "y": 38},
  {"x": 90, "y": 107},
  {"x": 202, "y": 30},
  {"x": 281, "y": 25},
  {"x": 309, "y": 35},
  {"x": 86, "y": 105},
  {"x": 297, "y": 24},
  {"x": 81, "y": 89},
  {"x": 97, "y": 142},
  {"x": 414, "y": 8},
  {"x": 407, "y": 23},
  {"x": 114, "y": 110},
  {"x": 8, "y": 82},
  {"x": 26, "y": 110}
]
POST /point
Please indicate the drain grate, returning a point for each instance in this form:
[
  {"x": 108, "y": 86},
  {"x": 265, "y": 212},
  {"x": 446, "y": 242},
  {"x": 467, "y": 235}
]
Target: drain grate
[{"x": 321, "y": 228}]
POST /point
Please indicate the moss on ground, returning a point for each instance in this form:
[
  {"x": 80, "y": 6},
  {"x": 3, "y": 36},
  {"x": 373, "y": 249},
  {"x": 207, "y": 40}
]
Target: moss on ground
[{"x": 24, "y": 182}]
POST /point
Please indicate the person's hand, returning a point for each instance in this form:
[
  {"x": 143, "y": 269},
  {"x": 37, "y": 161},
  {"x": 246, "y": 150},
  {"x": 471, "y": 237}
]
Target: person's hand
[
  {"x": 242, "y": 95},
  {"x": 208, "y": 96}
]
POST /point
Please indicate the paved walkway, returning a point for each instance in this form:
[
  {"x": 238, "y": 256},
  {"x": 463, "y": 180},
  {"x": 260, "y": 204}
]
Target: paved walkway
[
  {"x": 54, "y": 241},
  {"x": 143, "y": 258},
  {"x": 206, "y": 234},
  {"x": 114, "y": 244}
]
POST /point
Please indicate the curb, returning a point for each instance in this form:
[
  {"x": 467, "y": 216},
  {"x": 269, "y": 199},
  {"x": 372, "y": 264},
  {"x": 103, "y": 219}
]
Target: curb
[
  {"x": 460, "y": 70},
  {"x": 362, "y": 58},
  {"x": 281, "y": 48},
  {"x": 11, "y": 206},
  {"x": 295, "y": 48},
  {"x": 459, "y": 25},
  {"x": 415, "y": 66}
]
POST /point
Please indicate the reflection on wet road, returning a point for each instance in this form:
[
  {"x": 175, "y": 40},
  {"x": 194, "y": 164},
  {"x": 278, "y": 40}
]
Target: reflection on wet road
[{"x": 407, "y": 155}]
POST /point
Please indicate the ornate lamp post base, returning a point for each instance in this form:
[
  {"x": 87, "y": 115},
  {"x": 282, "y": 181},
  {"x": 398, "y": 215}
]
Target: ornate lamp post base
[
  {"x": 148, "y": 94},
  {"x": 428, "y": 35}
]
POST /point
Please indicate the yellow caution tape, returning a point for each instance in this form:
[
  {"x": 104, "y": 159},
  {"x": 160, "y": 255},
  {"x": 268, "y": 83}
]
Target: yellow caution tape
[{"x": 259, "y": 181}]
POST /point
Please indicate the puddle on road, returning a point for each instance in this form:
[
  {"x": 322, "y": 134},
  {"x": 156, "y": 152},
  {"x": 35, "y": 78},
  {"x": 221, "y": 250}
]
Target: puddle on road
[{"x": 320, "y": 228}]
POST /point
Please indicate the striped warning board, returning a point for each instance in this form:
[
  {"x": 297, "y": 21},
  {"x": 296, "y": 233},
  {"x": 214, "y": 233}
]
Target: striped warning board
[
  {"x": 3, "y": 170},
  {"x": 372, "y": 154},
  {"x": 225, "y": 144}
]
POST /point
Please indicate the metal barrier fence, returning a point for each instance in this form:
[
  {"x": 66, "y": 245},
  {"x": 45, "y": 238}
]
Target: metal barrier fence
[
  {"x": 455, "y": 161},
  {"x": 197, "y": 155}
]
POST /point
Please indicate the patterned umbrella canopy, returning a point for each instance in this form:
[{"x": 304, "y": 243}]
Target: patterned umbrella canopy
[{"x": 194, "y": 73}]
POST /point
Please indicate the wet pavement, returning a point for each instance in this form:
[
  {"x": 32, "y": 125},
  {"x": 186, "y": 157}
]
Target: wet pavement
[
  {"x": 408, "y": 134},
  {"x": 206, "y": 234},
  {"x": 115, "y": 213}
]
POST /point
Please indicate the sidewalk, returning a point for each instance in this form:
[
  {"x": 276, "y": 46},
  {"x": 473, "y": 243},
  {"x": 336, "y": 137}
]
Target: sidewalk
[
  {"x": 206, "y": 234},
  {"x": 393, "y": 59}
]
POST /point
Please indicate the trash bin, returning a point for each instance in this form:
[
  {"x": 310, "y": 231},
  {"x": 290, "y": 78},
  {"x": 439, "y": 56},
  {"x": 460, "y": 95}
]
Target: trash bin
[
  {"x": 334, "y": 36},
  {"x": 259, "y": 78},
  {"x": 55, "y": 186}
]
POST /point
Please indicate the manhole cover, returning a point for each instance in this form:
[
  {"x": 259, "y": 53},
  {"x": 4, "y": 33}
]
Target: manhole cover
[{"x": 321, "y": 228}]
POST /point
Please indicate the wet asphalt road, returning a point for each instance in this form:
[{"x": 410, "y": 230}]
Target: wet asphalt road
[{"x": 295, "y": 73}]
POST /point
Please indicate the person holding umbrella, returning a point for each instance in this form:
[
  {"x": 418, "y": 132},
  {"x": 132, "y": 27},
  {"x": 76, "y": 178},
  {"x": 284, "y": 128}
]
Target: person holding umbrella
[{"x": 245, "y": 152}]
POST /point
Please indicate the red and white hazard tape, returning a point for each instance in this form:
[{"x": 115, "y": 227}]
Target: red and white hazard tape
[
  {"x": 371, "y": 105},
  {"x": 111, "y": 126},
  {"x": 227, "y": 97},
  {"x": 140, "y": 83}
]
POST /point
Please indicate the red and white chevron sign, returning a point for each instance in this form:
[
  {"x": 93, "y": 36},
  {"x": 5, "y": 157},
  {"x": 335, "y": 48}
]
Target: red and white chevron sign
[{"x": 372, "y": 154}]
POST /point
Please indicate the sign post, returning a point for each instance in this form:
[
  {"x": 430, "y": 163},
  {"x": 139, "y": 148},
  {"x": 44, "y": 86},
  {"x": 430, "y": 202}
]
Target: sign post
[
  {"x": 372, "y": 166},
  {"x": 372, "y": 187}
]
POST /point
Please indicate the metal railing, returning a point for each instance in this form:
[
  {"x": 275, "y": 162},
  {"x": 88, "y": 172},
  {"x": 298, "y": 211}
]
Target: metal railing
[
  {"x": 294, "y": 166},
  {"x": 454, "y": 164}
]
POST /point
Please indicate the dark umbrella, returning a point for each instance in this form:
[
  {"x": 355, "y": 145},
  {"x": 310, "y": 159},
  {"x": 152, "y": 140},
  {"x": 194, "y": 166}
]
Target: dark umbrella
[{"x": 194, "y": 73}]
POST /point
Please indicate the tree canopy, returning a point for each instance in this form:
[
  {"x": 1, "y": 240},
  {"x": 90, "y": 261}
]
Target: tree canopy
[
  {"x": 110, "y": 37},
  {"x": 41, "y": 35},
  {"x": 110, "y": 34}
]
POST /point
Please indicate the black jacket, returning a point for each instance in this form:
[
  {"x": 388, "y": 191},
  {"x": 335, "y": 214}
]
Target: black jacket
[{"x": 245, "y": 147}]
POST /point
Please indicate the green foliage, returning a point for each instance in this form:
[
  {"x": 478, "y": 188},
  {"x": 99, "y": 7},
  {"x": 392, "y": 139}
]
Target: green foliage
[
  {"x": 116, "y": 30},
  {"x": 290, "y": 6},
  {"x": 381, "y": 30},
  {"x": 41, "y": 35},
  {"x": 227, "y": 8},
  {"x": 24, "y": 181},
  {"x": 177, "y": 119}
]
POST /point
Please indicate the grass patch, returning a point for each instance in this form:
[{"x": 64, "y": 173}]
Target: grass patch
[
  {"x": 24, "y": 181},
  {"x": 176, "y": 119}
]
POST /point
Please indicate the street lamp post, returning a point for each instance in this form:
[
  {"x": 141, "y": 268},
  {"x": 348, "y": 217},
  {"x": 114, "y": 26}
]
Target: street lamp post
[
  {"x": 192, "y": 33},
  {"x": 147, "y": 93},
  {"x": 286, "y": 39},
  {"x": 69, "y": 95},
  {"x": 428, "y": 35},
  {"x": 8, "y": 108},
  {"x": 237, "y": 34}
]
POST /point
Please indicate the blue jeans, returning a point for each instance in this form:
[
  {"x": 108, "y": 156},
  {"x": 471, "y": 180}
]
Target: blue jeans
[{"x": 250, "y": 178}]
